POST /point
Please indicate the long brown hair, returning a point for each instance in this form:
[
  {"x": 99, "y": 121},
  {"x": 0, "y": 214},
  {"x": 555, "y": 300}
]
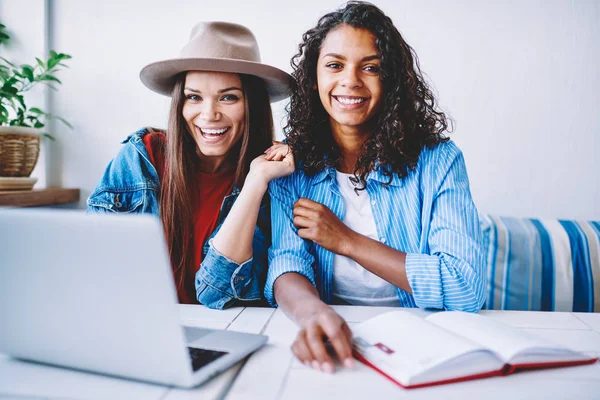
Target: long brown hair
[{"x": 181, "y": 163}]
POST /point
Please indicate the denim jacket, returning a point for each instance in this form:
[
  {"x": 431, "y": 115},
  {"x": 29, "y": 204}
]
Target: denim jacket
[{"x": 130, "y": 185}]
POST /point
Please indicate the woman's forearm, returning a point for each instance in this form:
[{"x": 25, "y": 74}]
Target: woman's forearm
[
  {"x": 234, "y": 239},
  {"x": 297, "y": 297},
  {"x": 379, "y": 259}
]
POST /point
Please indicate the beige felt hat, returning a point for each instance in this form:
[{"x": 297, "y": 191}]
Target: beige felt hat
[{"x": 222, "y": 47}]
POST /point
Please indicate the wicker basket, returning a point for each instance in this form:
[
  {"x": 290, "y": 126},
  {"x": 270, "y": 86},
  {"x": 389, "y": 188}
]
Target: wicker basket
[{"x": 19, "y": 150}]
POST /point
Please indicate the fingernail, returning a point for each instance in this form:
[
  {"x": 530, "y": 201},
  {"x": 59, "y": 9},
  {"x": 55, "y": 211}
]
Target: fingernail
[
  {"x": 349, "y": 363},
  {"x": 315, "y": 364},
  {"x": 328, "y": 368},
  {"x": 306, "y": 363}
]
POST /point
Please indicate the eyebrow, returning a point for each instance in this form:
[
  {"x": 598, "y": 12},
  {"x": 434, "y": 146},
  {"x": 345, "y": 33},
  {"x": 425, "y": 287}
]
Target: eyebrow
[
  {"x": 220, "y": 91},
  {"x": 341, "y": 57}
]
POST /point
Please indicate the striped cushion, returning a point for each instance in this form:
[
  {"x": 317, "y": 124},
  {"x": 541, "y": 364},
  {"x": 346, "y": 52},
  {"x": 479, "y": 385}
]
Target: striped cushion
[{"x": 542, "y": 265}]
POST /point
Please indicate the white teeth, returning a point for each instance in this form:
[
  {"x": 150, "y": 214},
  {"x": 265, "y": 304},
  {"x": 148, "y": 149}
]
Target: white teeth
[
  {"x": 346, "y": 100},
  {"x": 213, "y": 131}
]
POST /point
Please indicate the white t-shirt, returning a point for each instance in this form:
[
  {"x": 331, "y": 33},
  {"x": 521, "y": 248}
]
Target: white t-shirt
[{"x": 351, "y": 282}]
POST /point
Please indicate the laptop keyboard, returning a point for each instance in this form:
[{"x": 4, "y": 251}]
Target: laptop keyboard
[{"x": 202, "y": 357}]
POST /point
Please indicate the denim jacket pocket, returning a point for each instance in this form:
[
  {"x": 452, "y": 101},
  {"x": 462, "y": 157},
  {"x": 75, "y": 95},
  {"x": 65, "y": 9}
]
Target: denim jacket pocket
[{"x": 118, "y": 201}]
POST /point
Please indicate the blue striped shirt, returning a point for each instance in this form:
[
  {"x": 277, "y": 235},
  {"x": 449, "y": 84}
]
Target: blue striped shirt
[{"x": 429, "y": 215}]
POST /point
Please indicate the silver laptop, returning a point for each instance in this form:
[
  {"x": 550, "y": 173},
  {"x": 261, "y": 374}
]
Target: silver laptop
[{"x": 96, "y": 293}]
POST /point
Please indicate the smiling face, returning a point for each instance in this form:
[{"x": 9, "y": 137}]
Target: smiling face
[
  {"x": 348, "y": 78},
  {"x": 215, "y": 112}
]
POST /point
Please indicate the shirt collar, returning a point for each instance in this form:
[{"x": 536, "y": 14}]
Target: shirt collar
[
  {"x": 320, "y": 176},
  {"x": 379, "y": 176},
  {"x": 376, "y": 175}
]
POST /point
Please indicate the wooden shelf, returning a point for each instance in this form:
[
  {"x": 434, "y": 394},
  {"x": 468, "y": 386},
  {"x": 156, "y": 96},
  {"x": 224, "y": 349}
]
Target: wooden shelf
[{"x": 38, "y": 197}]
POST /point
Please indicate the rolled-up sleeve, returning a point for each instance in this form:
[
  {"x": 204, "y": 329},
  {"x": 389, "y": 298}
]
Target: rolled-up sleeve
[
  {"x": 451, "y": 276},
  {"x": 288, "y": 252},
  {"x": 220, "y": 281}
]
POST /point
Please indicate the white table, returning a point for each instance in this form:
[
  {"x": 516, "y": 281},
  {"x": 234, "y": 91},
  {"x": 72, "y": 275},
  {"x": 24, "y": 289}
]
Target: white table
[
  {"x": 281, "y": 376},
  {"x": 273, "y": 372}
]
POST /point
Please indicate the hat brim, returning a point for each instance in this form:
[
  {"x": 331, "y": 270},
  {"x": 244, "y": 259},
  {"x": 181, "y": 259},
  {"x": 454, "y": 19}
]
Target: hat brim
[{"x": 160, "y": 76}]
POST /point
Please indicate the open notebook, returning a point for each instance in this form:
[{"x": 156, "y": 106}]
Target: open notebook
[{"x": 452, "y": 346}]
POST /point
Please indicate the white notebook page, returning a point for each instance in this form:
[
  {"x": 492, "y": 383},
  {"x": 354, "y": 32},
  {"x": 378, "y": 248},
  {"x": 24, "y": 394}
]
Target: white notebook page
[
  {"x": 504, "y": 340},
  {"x": 413, "y": 345}
]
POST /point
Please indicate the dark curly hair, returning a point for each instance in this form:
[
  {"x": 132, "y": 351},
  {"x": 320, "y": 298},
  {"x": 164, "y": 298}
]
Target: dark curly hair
[{"x": 407, "y": 120}]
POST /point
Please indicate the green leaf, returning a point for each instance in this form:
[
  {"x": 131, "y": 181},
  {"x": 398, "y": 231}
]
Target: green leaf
[
  {"x": 47, "y": 135},
  {"x": 64, "y": 121},
  {"x": 56, "y": 58},
  {"x": 27, "y": 71},
  {"x": 6, "y": 94},
  {"x": 36, "y": 110},
  {"x": 11, "y": 99},
  {"x": 20, "y": 120},
  {"x": 47, "y": 77},
  {"x": 21, "y": 101},
  {"x": 18, "y": 73},
  {"x": 38, "y": 124},
  {"x": 52, "y": 62},
  {"x": 9, "y": 89},
  {"x": 40, "y": 63},
  {"x": 4, "y": 37},
  {"x": 8, "y": 62},
  {"x": 8, "y": 100},
  {"x": 5, "y": 74}
]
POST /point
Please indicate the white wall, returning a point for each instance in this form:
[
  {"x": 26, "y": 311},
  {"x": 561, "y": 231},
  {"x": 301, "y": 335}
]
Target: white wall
[{"x": 520, "y": 78}]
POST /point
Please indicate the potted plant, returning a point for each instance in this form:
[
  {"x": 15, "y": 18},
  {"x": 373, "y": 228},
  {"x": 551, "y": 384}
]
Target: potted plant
[{"x": 21, "y": 125}]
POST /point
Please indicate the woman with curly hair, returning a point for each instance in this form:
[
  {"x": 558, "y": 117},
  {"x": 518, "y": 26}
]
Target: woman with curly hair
[{"x": 379, "y": 210}]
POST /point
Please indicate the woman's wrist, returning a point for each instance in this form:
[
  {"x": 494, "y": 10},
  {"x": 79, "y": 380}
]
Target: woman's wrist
[
  {"x": 308, "y": 310},
  {"x": 350, "y": 244},
  {"x": 256, "y": 183}
]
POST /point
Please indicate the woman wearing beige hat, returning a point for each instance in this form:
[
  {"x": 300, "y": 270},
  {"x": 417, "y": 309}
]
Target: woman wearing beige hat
[{"x": 206, "y": 176}]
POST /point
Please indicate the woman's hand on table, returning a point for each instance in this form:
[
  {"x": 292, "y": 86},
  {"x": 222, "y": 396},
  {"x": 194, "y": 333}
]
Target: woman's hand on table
[{"x": 321, "y": 326}]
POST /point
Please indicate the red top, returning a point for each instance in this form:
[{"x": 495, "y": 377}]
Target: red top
[{"x": 211, "y": 190}]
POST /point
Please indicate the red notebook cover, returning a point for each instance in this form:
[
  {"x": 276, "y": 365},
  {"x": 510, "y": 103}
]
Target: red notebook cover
[{"x": 505, "y": 370}]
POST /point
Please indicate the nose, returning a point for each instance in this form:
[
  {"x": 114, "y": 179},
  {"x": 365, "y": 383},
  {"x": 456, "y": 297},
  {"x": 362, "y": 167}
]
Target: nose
[
  {"x": 351, "y": 78},
  {"x": 209, "y": 111}
]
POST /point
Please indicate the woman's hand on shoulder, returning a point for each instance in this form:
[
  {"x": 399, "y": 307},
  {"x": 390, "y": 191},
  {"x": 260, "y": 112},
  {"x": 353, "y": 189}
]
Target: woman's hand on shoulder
[{"x": 277, "y": 161}]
